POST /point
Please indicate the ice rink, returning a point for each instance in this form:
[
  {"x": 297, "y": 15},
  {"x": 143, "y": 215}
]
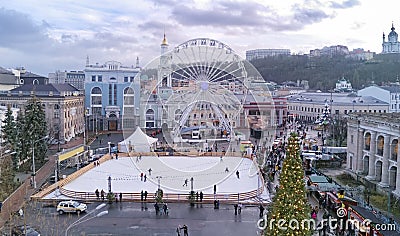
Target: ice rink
[{"x": 171, "y": 172}]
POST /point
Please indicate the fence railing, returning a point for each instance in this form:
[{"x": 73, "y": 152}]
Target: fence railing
[{"x": 167, "y": 197}]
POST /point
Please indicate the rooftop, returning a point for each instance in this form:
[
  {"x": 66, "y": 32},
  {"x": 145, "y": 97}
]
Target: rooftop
[
  {"x": 43, "y": 90},
  {"x": 337, "y": 98}
]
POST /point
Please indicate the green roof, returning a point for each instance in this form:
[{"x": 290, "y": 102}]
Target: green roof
[{"x": 318, "y": 179}]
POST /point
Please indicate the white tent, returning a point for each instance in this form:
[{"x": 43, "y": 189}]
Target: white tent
[{"x": 138, "y": 141}]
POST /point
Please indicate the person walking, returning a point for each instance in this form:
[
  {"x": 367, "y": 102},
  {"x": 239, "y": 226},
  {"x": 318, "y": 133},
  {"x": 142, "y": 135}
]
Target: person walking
[
  {"x": 141, "y": 195},
  {"x": 197, "y": 196},
  {"x": 201, "y": 196},
  {"x": 185, "y": 230},
  {"x": 97, "y": 194},
  {"x": 240, "y": 208},
  {"x": 141, "y": 176},
  {"x": 145, "y": 178},
  {"x": 236, "y": 208},
  {"x": 120, "y": 197},
  {"x": 261, "y": 210},
  {"x": 157, "y": 208},
  {"x": 165, "y": 208},
  {"x": 237, "y": 174},
  {"x": 150, "y": 170},
  {"x": 186, "y": 182},
  {"x": 145, "y": 195},
  {"x": 178, "y": 230}
]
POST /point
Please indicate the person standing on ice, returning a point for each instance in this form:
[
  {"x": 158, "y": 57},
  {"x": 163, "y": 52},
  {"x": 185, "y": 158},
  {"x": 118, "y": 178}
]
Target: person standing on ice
[
  {"x": 141, "y": 176},
  {"x": 102, "y": 195},
  {"x": 237, "y": 174},
  {"x": 150, "y": 171},
  {"x": 145, "y": 178},
  {"x": 186, "y": 182},
  {"x": 97, "y": 194}
]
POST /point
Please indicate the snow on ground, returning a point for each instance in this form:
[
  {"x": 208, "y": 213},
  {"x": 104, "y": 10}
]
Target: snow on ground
[{"x": 173, "y": 170}]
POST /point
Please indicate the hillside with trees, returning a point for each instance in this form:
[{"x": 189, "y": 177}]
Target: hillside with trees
[{"x": 323, "y": 72}]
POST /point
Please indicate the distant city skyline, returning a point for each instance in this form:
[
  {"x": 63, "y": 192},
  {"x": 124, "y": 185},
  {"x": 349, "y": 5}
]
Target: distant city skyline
[{"x": 49, "y": 35}]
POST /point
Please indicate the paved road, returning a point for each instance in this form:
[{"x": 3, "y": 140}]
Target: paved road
[{"x": 139, "y": 219}]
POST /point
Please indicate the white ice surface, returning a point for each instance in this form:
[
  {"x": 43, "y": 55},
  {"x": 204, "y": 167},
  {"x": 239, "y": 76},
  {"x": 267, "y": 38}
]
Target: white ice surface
[{"x": 206, "y": 172}]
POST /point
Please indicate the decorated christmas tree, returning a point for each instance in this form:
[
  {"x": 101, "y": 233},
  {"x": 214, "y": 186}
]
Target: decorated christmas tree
[{"x": 290, "y": 213}]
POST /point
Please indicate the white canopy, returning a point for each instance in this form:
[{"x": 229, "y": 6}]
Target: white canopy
[{"x": 138, "y": 141}]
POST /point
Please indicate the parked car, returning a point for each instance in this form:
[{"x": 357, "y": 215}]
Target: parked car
[
  {"x": 20, "y": 231},
  {"x": 71, "y": 207}
]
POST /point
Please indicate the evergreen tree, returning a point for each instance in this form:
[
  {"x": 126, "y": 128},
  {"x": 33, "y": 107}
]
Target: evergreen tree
[
  {"x": 7, "y": 174},
  {"x": 21, "y": 148},
  {"x": 290, "y": 203},
  {"x": 9, "y": 132},
  {"x": 35, "y": 128}
]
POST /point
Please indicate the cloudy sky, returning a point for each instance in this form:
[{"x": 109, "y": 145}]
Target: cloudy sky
[{"x": 48, "y": 35}]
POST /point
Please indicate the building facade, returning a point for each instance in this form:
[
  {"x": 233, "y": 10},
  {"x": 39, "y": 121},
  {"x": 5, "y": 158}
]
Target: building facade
[
  {"x": 74, "y": 78},
  {"x": 387, "y": 94},
  {"x": 309, "y": 106},
  {"x": 62, "y": 104},
  {"x": 106, "y": 87},
  {"x": 392, "y": 45},
  {"x": 373, "y": 149},
  {"x": 330, "y": 51},
  {"x": 360, "y": 54},
  {"x": 262, "y": 53}
]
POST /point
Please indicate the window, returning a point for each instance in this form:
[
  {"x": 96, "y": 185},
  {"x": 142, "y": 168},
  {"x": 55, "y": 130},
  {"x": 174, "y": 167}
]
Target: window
[
  {"x": 150, "y": 118},
  {"x": 93, "y": 78},
  {"x": 110, "y": 94},
  {"x": 126, "y": 79},
  {"x": 132, "y": 78},
  {"x": 367, "y": 141},
  {"x": 115, "y": 94},
  {"x": 96, "y": 96},
  {"x": 99, "y": 78},
  {"x": 129, "y": 96},
  {"x": 380, "y": 146}
]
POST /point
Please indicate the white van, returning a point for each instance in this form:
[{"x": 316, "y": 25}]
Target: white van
[{"x": 195, "y": 134}]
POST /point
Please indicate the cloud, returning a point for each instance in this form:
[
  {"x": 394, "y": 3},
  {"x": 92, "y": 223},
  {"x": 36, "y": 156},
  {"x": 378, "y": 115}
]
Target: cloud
[
  {"x": 307, "y": 16},
  {"x": 220, "y": 14},
  {"x": 345, "y": 4},
  {"x": 18, "y": 29},
  {"x": 251, "y": 15}
]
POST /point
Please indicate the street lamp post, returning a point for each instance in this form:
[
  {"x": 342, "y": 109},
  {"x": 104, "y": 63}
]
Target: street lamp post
[
  {"x": 159, "y": 179},
  {"x": 191, "y": 185},
  {"x": 33, "y": 161},
  {"x": 258, "y": 184}
]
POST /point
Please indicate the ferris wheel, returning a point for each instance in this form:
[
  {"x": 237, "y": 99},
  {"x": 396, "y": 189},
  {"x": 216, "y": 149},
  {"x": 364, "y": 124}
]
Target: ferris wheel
[
  {"x": 201, "y": 84},
  {"x": 209, "y": 83}
]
